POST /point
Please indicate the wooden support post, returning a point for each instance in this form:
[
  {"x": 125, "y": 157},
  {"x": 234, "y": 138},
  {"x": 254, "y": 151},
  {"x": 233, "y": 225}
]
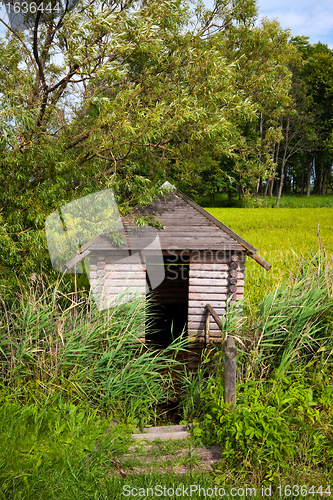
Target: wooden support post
[
  {"x": 207, "y": 328},
  {"x": 230, "y": 370}
]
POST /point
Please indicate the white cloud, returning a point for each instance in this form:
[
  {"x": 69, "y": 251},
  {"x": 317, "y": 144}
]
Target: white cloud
[{"x": 312, "y": 19}]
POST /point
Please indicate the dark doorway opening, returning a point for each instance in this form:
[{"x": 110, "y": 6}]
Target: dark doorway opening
[{"x": 168, "y": 304}]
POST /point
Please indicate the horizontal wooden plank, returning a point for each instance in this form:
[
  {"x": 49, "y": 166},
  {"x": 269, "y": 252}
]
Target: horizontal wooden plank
[
  {"x": 207, "y": 229},
  {"x": 207, "y": 289},
  {"x": 223, "y": 256},
  {"x": 118, "y": 283},
  {"x": 112, "y": 291},
  {"x": 199, "y": 337},
  {"x": 207, "y": 296},
  {"x": 123, "y": 275},
  {"x": 197, "y": 240},
  {"x": 122, "y": 267},
  {"x": 199, "y": 318},
  {"x": 201, "y": 326},
  {"x": 210, "y": 265},
  {"x": 182, "y": 221},
  {"x": 202, "y": 303},
  {"x": 206, "y": 274},
  {"x": 202, "y": 311},
  {"x": 210, "y": 282},
  {"x": 207, "y": 266}
]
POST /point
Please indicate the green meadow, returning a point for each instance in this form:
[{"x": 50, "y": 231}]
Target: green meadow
[{"x": 282, "y": 237}]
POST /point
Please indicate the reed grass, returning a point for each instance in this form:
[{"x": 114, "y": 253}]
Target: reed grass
[
  {"x": 56, "y": 347},
  {"x": 292, "y": 326}
]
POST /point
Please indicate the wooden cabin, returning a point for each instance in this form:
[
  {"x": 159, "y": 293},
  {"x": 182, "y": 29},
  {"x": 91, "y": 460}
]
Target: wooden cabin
[{"x": 203, "y": 261}]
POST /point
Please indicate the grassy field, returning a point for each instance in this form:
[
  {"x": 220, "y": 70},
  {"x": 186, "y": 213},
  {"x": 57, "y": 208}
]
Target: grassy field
[
  {"x": 287, "y": 201},
  {"x": 281, "y": 236}
]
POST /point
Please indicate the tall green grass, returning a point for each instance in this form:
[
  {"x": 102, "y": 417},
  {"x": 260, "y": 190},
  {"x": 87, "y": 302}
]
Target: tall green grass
[
  {"x": 55, "y": 348},
  {"x": 293, "y": 325}
]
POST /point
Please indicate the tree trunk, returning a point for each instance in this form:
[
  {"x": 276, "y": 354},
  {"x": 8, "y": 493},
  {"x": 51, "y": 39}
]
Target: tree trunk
[
  {"x": 302, "y": 182},
  {"x": 326, "y": 175},
  {"x": 284, "y": 159},
  {"x": 271, "y": 184},
  {"x": 309, "y": 170},
  {"x": 281, "y": 182}
]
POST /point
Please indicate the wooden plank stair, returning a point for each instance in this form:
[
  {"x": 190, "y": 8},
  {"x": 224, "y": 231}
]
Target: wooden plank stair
[{"x": 167, "y": 449}]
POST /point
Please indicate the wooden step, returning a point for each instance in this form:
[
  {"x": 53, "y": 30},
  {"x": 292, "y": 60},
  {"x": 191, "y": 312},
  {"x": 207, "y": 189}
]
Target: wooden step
[{"x": 163, "y": 432}]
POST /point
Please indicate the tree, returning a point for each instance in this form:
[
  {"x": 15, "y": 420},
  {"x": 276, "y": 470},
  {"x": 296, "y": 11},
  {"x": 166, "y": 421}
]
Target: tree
[
  {"x": 310, "y": 125},
  {"x": 263, "y": 56},
  {"x": 109, "y": 95}
]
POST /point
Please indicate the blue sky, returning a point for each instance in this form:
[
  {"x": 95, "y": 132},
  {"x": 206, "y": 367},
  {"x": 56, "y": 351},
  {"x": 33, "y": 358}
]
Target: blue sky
[
  {"x": 312, "y": 18},
  {"x": 304, "y": 17}
]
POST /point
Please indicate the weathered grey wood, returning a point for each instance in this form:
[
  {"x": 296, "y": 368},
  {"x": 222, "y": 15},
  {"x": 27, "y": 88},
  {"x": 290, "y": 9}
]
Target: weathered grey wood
[
  {"x": 214, "y": 315},
  {"x": 123, "y": 283},
  {"x": 199, "y": 318},
  {"x": 139, "y": 273},
  {"x": 216, "y": 221},
  {"x": 233, "y": 265},
  {"x": 208, "y": 266},
  {"x": 207, "y": 229},
  {"x": 196, "y": 273},
  {"x": 214, "y": 335},
  {"x": 197, "y": 311},
  {"x": 207, "y": 328},
  {"x": 230, "y": 370},
  {"x": 219, "y": 282},
  {"x": 164, "y": 429},
  {"x": 208, "y": 289},
  {"x": 183, "y": 242},
  {"x": 261, "y": 261},
  {"x": 124, "y": 268},
  {"x": 199, "y": 304},
  {"x": 207, "y": 296},
  {"x": 234, "y": 258},
  {"x": 233, "y": 288},
  {"x": 164, "y": 436},
  {"x": 233, "y": 273},
  {"x": 200, "y": 327}
]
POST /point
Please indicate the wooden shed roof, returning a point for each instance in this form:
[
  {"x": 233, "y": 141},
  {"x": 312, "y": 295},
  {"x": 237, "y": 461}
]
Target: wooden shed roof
[{"x": 187, "y": 226}]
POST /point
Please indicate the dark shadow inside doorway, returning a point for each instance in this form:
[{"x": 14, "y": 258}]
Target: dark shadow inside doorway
[{"x": 168, "y": 304}]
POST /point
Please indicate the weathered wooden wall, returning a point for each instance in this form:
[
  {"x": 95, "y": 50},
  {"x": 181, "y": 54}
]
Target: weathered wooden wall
[
  {"x": 116, "y": 273},
  {"x": 213, "y": 278}
]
